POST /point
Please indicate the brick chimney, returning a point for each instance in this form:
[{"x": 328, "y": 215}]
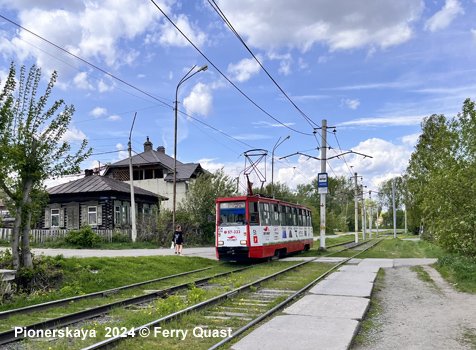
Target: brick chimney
[
  {"x": 88, "y": 172},
  {"x": 148, "y": 145},
  {"x": 161, "y": 149}
]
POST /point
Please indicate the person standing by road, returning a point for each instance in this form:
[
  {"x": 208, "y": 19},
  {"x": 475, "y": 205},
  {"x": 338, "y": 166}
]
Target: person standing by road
[{"x": 178, "y": 239}]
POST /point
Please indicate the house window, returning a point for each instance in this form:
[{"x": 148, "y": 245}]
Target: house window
[
  {"x": 126, "y": 211},
  {"x": 55, "y": 217},
  {"x": 117, "y": 215},
  {"x": 92, "y": 216},
  {"x": 149, "y": 174}
]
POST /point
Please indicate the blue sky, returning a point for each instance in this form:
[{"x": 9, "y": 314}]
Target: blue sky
[{"x": 372, "y": 68}]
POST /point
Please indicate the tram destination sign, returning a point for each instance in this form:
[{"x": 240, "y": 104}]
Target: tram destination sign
[{"x": 322, "y": 180}]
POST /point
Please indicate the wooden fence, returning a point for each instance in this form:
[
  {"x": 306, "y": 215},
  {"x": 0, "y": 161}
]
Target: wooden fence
[{"x": 41, "y": 236}]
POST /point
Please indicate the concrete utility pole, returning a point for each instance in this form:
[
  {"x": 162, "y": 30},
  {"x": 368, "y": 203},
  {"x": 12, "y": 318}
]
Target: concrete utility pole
[
  {"x": 394, "y": 212},
  {"x": 362, "y": 210},
  {"x": 377, "y": 219},
  {"x": 370, "y": 214},
  {"x": 405, "y": 218},
  {"x": 323, "y": 195},
  {"x": 356, "y": 203},
  {"x": 131, "y": 178}
]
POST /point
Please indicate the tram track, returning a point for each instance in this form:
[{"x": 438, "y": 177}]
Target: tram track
[
  {"x": 252, "y": 296},
  {"x": 253, "y": 290},
  {"x": 68, "y": 319}
]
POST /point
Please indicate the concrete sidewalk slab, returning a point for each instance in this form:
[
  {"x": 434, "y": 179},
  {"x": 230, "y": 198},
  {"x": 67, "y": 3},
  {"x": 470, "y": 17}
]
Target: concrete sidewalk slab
[
  {"x": 334, "y": 287},
  {"x": 330, "y": 259},
  {"x": 359, "y": 268},
  {"x": 377, "y": 262},
  {"x": 356, "y": 276},
  {"x": 330, "y": 306},
  {"x": 301, "y": 332},
  {"x": 354, "y": 261},
  {"x": 413, "y": 262}
]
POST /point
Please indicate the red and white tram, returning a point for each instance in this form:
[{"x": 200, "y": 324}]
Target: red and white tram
[{"x": 253, "y": 227}]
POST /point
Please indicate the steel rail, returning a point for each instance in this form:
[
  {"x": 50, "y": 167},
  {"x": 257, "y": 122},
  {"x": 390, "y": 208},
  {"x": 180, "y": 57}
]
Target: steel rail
[
  {"x": 9, "y": 336},
  {"x": 95, "y": 295},
  {"x": 111, "y": 342},
  {"x": 286, "y": 302}
]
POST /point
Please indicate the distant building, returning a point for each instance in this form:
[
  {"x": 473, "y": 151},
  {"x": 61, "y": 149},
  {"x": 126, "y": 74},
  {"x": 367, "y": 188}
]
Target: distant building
[
  {"x": 101, "y": 202},
  {"x": 153, "y": 170}
]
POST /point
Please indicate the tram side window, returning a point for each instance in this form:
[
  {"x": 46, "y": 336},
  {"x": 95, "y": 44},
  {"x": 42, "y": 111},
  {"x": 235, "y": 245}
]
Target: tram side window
[
  {"x": 300, "y": 223},
  {"x": 265, "y": 214},
  {"x": 282, "y": 215},
  {"x": 274, "y": 214},
  {"x": 294, "y": 212},
  {"x": 289, "y": 216},
  {"x": 254, "y": 213}
]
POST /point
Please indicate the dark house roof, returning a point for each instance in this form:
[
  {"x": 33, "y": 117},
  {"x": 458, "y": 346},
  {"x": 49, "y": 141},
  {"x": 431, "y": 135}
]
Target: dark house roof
[
  {"x": 150, "y": 157},
  {"x": 95, "y": 183}
]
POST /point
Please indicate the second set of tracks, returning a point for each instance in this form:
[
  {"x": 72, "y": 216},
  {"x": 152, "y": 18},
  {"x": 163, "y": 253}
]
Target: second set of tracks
[{"x": 255, "y": 305}]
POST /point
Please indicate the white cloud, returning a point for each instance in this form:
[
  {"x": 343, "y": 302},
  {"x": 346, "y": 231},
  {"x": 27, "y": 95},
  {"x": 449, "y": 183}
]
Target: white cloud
[
  {"x": 445, "y": 16},
  {"x": 122, "y": 154},
  {"x": 271, "y": 125},
  {"x": 73, "y": 134},
  {"x": 412, "y": 139},
  {"x": 114, "y": 117},
  {"x": 384, "y": 121},
  {"x": 200, "y": 100},
  {"x": 169, "y": 36},
  {"x": 352, "y": 104},
  {"x": 98, "y": 111},
  {"x": 245, "y": 69},
  {"x": 101, "y": 30},
  {"x": 81, "y": 81},
  {"x": 345, "y": 24}
]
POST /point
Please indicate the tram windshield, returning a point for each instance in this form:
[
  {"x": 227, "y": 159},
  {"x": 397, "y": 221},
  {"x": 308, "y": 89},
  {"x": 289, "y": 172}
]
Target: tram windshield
[{"x": 232, "y": 214}]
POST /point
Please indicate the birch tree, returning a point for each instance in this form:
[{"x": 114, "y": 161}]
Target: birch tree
[{"x": 32, "y": 150}]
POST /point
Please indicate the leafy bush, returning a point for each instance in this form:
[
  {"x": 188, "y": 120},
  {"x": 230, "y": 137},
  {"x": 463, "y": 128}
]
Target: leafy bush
[
  {"x": 85, "y": 237},
  {"x": 120, "y": 237}
]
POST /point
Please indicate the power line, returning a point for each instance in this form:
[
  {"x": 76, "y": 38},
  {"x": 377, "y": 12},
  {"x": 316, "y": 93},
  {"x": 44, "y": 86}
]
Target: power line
[
  {"x": 120, "y": 80},
  {"x": 220, "y": 13},
  {"x": 224, "y": 76}
]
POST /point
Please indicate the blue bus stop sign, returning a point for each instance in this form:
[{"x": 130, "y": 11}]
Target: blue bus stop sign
[{"x": 322, "y": 180}]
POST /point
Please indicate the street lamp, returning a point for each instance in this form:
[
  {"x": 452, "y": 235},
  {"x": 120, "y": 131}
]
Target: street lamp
[
  {"x": 183, "y": 80},
  {"x": 272, "y": 162}
]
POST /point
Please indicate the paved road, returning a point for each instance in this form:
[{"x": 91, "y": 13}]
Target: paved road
[{"x": 205, "y": 252}]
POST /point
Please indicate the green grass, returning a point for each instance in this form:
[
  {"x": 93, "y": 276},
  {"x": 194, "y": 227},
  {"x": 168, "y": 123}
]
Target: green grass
[
  {"x": 424, "y": 276},
  {"x": 88, "y": 275},
  {"x": 372, "y": 322},
  {"x": 391, "y": 248},
  {"x": 460, "y": 271}
]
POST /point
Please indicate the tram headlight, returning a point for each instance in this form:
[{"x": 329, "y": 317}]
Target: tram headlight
[
  {"x": 243, "y": 242},
  {"x": 221, "y": 242}
]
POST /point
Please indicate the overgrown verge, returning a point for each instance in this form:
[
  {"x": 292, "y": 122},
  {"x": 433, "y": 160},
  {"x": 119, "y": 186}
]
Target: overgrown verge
[
  {"x": 54, "y": 278},
  {"x": 458, "y": 270}
]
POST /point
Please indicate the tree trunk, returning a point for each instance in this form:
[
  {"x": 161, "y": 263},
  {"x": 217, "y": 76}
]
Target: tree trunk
[
  {"x": 26, "y": 253},
  {"x": 25, "y": 243},
  {"x": 16, "y": 239}
]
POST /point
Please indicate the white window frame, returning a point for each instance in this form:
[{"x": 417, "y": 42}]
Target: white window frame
[
  {"x": 117, "y": 215},
  {"x": 55, "y": 213},
  {"x": 93, "y": 212}
]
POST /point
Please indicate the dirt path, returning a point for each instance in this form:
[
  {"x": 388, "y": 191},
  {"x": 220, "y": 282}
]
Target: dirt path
[{"x": 420, "y": 315}]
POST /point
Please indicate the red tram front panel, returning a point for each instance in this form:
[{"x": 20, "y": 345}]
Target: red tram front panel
[{"x": 255, "y": 228}]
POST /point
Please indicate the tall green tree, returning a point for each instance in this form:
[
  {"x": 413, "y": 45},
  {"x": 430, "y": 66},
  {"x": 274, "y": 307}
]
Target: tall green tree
[
  {"x": 31, "y": 150},
  {"x": 200, "y": 201},
  {"x": 441, "y": 175}
]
